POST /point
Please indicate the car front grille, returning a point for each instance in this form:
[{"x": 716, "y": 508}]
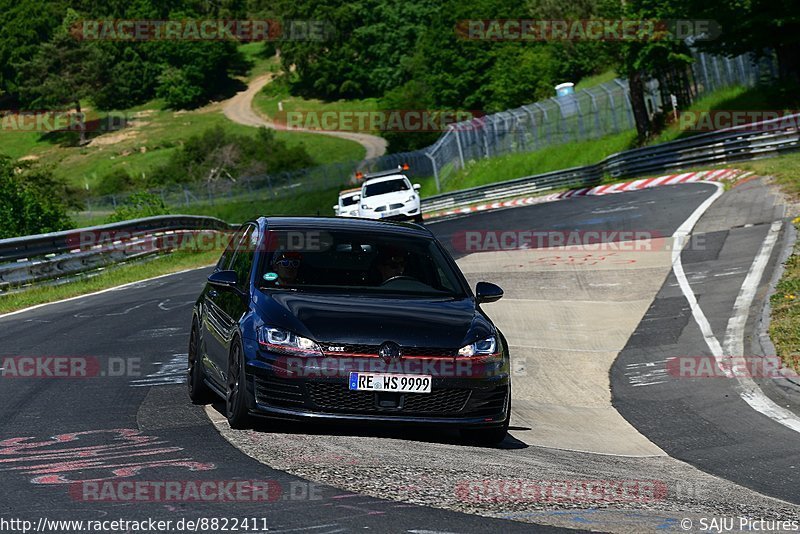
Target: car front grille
[
  {"x": 372, "y": 350},
  {"x": 336, "y": 397},
  {"x": 339, "y": 398},
  {"x": 389, "y": 207}
]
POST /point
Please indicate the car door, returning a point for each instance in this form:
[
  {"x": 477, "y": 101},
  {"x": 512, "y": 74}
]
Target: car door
[
  {"x": 213, "y": 329},
  {"x": 233, "y": 304}
]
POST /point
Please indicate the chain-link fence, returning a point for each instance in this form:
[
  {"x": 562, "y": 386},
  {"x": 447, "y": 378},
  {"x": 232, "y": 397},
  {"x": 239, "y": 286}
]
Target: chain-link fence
[
  {"x": 587, "y": 114},
  {"x": 581, "y": 116}
]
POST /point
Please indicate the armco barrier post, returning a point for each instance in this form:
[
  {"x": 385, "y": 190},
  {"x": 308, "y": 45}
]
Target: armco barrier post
[
  {"x": 458, "y": 143},
  {"x": 435, "y": 173}
]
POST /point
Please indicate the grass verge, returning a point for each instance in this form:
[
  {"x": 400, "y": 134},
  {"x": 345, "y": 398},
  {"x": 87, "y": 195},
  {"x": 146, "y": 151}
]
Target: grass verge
[
  {"x": 511, "y": 166},
  {"x": 170, "y": 263},
  {"x": 784, "y": 326},
  {"x": 597, "y": 79},
  {"x": 266, "y": 102},
  {"x": 785, "y": 169}
]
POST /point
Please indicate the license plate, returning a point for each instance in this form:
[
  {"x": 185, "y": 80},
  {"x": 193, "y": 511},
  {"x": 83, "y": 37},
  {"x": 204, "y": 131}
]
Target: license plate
[
  {"x": 391, "y": 383},
  {"x": 391, "y": 213}
]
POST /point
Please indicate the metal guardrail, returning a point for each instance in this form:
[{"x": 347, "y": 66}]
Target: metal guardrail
[
  {"x": 34, "y": 246},
  {"x": 739, "y": 143},
  {"x": 39, "y": 258}
]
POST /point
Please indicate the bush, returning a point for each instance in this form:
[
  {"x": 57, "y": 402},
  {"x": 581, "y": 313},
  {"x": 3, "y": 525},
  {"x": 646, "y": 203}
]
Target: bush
[
  {"x": 32, "y": 201},
  {"x": 216, "y": 154},
  {"x": 178, "y": 90},
  {"x": 139, "y": 205},
  {"x": 116, "y": 181}
]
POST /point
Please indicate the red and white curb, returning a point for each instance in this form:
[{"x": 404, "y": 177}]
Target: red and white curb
[{"x": 717, "y": 175}]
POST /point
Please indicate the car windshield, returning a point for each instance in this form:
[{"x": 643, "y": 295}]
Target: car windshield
[
  {"x": 388, "y": 186},
  {"x": 349, "y": 200},
  {"x": 357, "y": 262}
]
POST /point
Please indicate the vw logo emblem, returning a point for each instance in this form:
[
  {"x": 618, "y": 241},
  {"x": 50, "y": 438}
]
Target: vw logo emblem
[{"x": 389, "y": 351}]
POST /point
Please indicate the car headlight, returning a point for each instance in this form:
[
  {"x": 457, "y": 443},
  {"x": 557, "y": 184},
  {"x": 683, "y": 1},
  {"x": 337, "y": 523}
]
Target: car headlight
[
  {"x": 483, "y": 347},
  {"x": 365, "y": 207},
  {"x": 412, "y": 197},
  {"x": 279, "y": 340}
]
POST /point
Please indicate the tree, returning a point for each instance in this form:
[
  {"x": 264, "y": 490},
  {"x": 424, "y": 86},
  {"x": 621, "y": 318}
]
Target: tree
[
  {"x": 758, "y": 26},
  {"x": 412, "y": 95},
  {"x": 127, "y": 78},
  {"x": 59, "y": 68},
  {"x": 62, "y": 72},
  {"x": 650, "y": 54},
  {"x": 31, "y": 200},
  {"x": 364, "y": 44},
  {"x": 23, "y": 26}
]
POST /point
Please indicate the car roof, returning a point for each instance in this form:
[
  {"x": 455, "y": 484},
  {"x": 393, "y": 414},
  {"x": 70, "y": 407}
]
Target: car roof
[
  {"x": 345, "y": 223},
  {"x": 383, "y": 179},
  {"x": 387, "y": 172}
]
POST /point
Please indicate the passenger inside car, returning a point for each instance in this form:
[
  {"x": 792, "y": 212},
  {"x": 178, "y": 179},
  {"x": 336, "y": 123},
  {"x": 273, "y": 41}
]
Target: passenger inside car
[{"x": 287, "y": 264}]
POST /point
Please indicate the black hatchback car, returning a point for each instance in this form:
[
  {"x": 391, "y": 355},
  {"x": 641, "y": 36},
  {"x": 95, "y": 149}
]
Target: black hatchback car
[{"x": 348, "y": 320}]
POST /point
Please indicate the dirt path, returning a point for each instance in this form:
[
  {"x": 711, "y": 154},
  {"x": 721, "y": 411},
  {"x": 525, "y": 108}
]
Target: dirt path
[{"x": 240, "y": 109}]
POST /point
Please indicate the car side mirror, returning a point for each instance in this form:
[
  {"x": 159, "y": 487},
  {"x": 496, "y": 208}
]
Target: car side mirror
[
  {"x": 486, "y": 292},
  {"x": 336, "y": 209},
  {"x": 224, "y": 280},
  {"x": 357, "y": 198},
  {"x": 417, "y": 187}
]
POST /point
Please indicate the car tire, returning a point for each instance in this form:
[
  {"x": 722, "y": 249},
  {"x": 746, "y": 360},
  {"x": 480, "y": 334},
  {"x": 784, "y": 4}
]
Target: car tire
[
  {"x": 418, "y": 219},
  {"x": 489, "y": 436},
  {"x": 199, "y": 392},
  {"x": 236, "y": 410}
]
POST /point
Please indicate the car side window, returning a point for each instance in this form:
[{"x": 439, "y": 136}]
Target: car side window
[
  {"x": 443, "y": 281},
  {"x": 225, "y": 260},
  {"x": 245, "y": 252}
]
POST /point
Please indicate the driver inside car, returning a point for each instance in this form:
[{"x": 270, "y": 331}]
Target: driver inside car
[{"x": 391, "y": 264}]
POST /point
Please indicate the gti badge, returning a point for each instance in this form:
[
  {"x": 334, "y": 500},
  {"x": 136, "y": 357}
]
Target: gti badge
[{"x": 389, "y": 351}]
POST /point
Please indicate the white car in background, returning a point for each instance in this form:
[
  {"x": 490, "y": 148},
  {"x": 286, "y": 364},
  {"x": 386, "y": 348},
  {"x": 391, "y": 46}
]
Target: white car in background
[
  {"x": 389, "y": 197},
  {"x": 348, "y": 203}
]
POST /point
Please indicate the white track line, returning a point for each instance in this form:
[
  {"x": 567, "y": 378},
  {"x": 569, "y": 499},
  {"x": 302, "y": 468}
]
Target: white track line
[
  {"x": 115, "y": 288},
  {"x": 680, "y": 237},
  {"x": 734, "y": 336}
]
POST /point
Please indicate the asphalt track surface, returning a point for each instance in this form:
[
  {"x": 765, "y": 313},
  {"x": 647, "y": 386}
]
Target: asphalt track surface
[
  {"x": 141, "y": 426},
  {"x": 704, "y": 421},
  {"x": 148, "y": 321}
]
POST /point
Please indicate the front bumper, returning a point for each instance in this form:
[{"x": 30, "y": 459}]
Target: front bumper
[
  {"x": 477, "y": 401},
  {"x": 406, "y": 213}
]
